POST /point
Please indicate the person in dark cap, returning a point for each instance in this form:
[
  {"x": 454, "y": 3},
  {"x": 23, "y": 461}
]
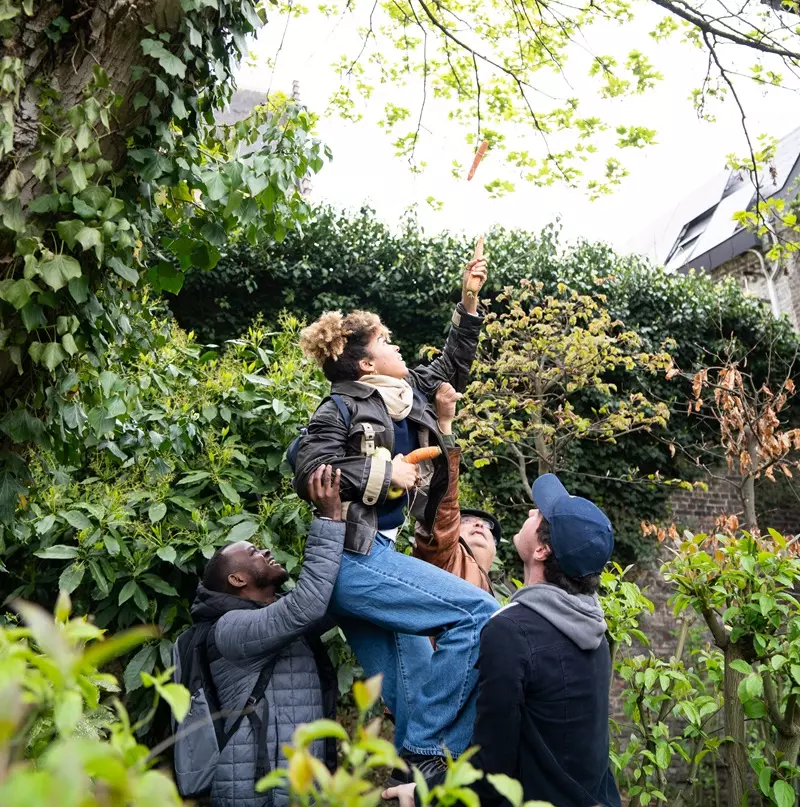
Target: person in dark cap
[
  {"x": 545, "y": 666},
  {"x": 461, "y": 541}
]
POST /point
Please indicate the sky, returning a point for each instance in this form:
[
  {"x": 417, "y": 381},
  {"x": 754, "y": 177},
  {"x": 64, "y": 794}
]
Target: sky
[{"x": 365, "y": 170}]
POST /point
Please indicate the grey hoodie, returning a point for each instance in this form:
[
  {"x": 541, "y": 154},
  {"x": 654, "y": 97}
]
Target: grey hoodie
[{"x": 577, "y": 616}]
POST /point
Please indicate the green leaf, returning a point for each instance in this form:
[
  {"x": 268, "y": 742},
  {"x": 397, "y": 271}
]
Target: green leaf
[
  {"x": 170, "y": 63},
  {"x": 143, "y": 661},
  {"x": 59, "y": 270},
  {"x": 179, "y": 108},
  {"x": 156, "y": 512},
  {"x": 68, "y": 230},
  {"x": 318, "y": 730},
  {"x": 111, "y": 543},
  {"x": 79, "y": 181},
  {"x": 158, "y": 585},
  {"x": 79, "y": 289},
  {"x": 125, "y": 272},
  {"x": 57, "y": 552},
  {"x": 52, "y": 355},
  {"x": 243, "y": 531},
  {"x": 69, "y": 344},
  {"x": 140, "y": 599},
  {"x": 764, "y": 779},
  {"x": 68, "y": 711},
  {"x": 507, "y": 787},
  {"x": 103, "y": 650},
  {"x": 90, "y": 238},
  {"x": 229, "y": 492},
  {"x": 177, "y": 697},
  {"x": 127, "y": 592},
  {"x": 18, "y": 292},
  {"x": 741, "y": 666},
  {"x": 71, "y": 577},
  {"x": 12, "y": 215},
  {"x": 167, "y": 553},
  {"x": 784, "y": 794},
  {"x": 78, "y": 520}
]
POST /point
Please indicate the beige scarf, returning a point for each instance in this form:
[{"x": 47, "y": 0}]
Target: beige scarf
[{"x": 396, "y": 393}]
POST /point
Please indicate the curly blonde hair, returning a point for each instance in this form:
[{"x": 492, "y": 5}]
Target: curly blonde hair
[{"x": 334, "y": 334}]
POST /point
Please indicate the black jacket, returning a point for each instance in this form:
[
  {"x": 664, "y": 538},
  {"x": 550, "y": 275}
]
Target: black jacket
[
  {"x": 542, "y": 713},
  {"x": 366, "y": 480}
]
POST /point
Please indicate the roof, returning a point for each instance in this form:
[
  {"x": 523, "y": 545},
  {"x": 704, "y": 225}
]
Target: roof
[{"x": 700, "y": 231}]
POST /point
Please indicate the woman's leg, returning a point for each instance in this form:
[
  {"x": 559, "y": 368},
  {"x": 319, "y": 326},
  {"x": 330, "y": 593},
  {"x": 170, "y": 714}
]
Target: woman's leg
[{"x": 401, "y": 594}]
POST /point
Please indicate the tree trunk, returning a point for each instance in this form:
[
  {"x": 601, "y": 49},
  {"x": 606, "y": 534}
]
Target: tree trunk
[
  {"x": 735, "y": 748},
  {"x": 105, "y": 33},
  {"x": 748, "y": 489}
]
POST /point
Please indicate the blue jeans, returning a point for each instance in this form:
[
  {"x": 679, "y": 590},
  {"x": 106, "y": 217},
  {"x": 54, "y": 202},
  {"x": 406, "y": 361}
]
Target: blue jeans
[{"x": 388, "y": 604}]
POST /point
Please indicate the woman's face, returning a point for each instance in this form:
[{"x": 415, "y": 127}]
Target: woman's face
[{"x": 384, "y": 358}]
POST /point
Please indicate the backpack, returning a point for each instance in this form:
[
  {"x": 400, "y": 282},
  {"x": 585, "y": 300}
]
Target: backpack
[
  {"x": 294, "y": 446},
  {"x": 201, "y": 737}
]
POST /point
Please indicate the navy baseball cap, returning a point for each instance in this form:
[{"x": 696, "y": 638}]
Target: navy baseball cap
[
  {"x": 580, "y": 532},
  {"x": 497, "y": 530}
]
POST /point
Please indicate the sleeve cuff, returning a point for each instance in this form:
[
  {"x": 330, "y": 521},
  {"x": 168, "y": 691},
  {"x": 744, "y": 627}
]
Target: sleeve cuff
[
  {"x": 463, "y": 318},
  {"x": 449, "y": 441}
]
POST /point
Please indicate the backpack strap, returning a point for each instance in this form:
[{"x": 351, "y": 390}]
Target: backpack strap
[
  {"x": 344, "y": 410},
  {"x": 259, "y": 725}
]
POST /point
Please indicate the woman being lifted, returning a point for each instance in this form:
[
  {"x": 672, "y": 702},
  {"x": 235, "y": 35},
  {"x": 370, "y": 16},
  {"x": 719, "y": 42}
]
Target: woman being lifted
[{"x": 388, "y": 603}]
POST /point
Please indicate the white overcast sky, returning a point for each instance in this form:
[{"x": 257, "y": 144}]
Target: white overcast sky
[{"x": 364, "y": 168}]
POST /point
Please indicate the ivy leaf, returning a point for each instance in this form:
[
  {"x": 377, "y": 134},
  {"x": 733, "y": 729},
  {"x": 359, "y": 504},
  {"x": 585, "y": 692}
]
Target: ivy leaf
[
  {"x": 125, "y": 272},
  {"x": 68, "y": 230},
  {"x": 68, "y": 343},
  {"x": 33, "y": 317},
  {"x": 71, "y": 577},
  {"x": 52, "y": 355},
  {"x": 79, "y": 289},
  {"x": 79, "y": 180},
  {"x": 90, "y": 238},
  {"x": 156, "y": 512},
  {"x": 18, "y": 292},
  {"x": 215, "y": 185},
  {"x": 59, "y": 270},
  {"x": 179, "y": 108},
  {"x": 170, "y": 63},
  {"x": 12, "y": 216}
]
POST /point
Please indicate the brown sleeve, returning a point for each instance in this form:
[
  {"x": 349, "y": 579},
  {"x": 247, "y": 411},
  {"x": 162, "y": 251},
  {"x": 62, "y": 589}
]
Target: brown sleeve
[{"x": 440, "y": 546}]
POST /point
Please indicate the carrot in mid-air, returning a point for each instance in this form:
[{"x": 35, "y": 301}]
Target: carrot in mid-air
[{"x": 478, "y": 157}]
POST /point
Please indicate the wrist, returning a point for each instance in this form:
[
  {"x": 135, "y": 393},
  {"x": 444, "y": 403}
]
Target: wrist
[
  {"x": 470, "y": 304},
  {"x": 445, "y": 426}
]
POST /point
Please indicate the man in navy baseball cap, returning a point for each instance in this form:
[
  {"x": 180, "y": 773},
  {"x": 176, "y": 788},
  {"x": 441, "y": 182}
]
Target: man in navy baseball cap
[
  {"x": 581, "y": 537},
  {"x": 545, "y": 666}
]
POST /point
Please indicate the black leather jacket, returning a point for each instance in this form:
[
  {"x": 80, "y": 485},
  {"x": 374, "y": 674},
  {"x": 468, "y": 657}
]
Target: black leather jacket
[{"x": 366, "y": 480}]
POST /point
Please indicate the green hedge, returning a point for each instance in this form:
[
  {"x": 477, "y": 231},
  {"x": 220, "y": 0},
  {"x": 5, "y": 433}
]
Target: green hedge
[{"x": 412, "y": 278}]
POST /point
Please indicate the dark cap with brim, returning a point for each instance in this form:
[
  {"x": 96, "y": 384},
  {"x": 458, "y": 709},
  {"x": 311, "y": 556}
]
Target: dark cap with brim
[
  {"x": 497, "y": 530},
  {"x": 580, "y": 532}
]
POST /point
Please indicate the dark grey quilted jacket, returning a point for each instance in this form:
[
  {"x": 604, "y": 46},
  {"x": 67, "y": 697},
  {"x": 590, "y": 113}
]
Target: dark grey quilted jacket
[{"x": 247, "y": 634}]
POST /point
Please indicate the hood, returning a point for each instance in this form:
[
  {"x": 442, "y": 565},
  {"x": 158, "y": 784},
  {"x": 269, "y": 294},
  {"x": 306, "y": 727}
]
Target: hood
[
  {"x": 208, "y": 606},
  {"x": 577, "y": 616}
]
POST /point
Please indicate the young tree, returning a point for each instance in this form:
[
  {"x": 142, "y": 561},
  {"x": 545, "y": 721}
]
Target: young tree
[
  {"x": 749, "y": 433},
  {"x": 539, "y": 355}
]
